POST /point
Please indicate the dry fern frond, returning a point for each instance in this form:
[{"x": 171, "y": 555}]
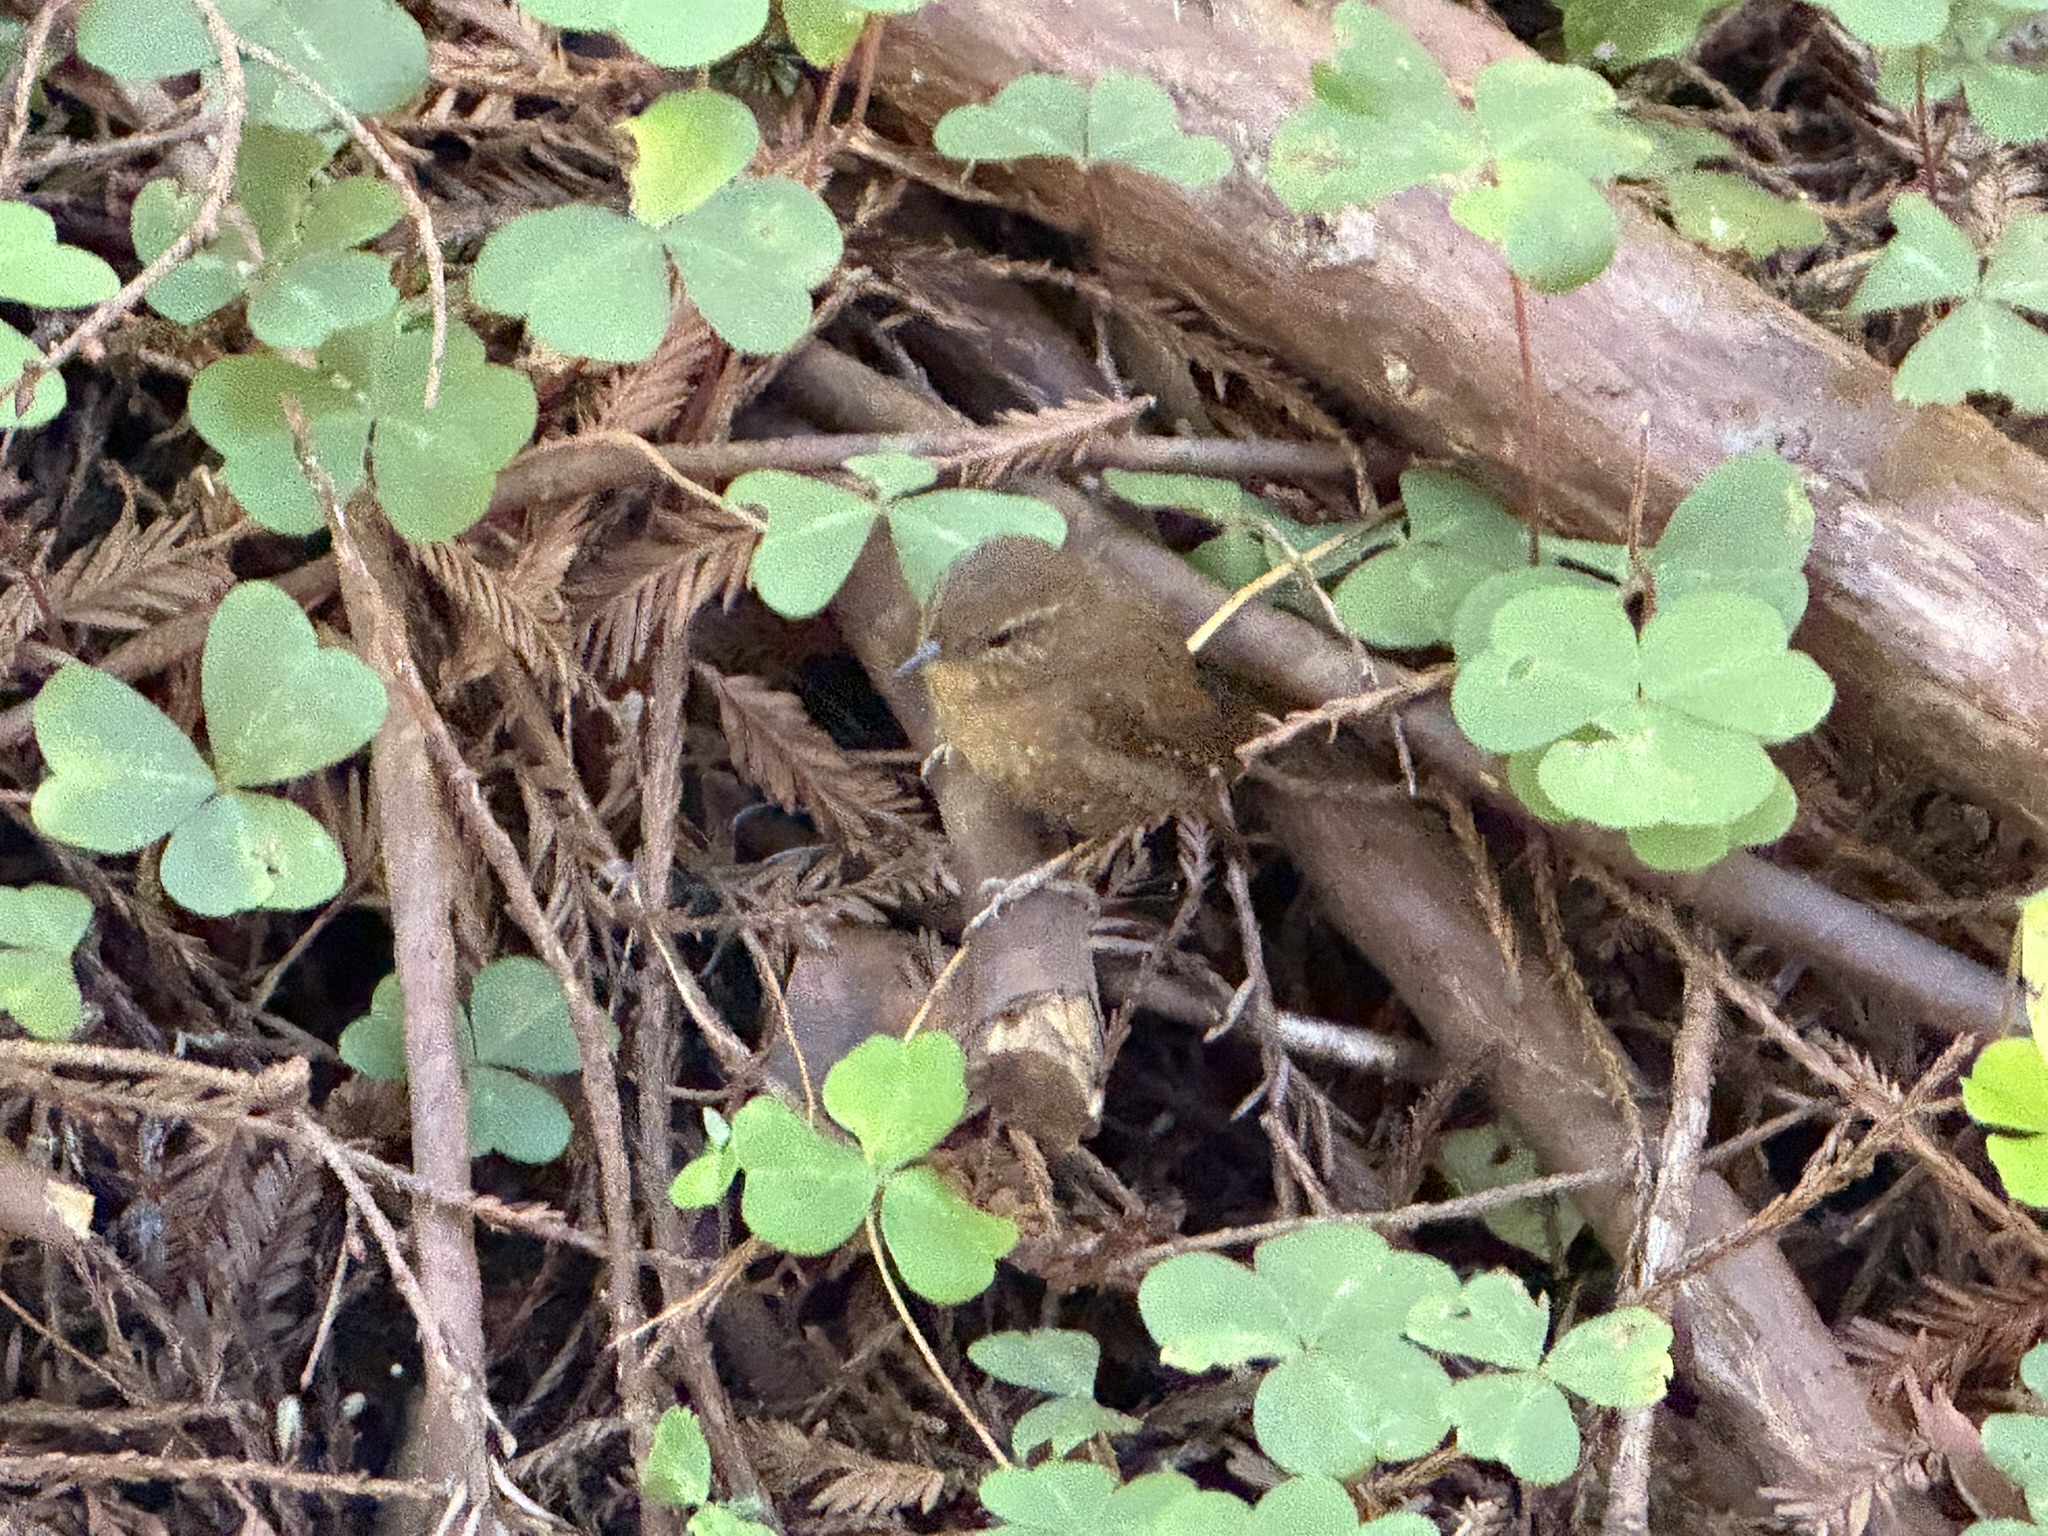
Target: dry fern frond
[
  {"x": 1857, "y": 1493},
  {"x": 1955, "y": 1332},
  {"x": 126, "y": 581},
  {"x": 848, "y": 1483},
  {"x": 686, "y": 559},
  {"x": 801, "y": 897},
  {"x": 520, "y": 607},
  {"x": 645, "y": 399},
  {"x": 1177, "y": 329},
  {"x": 777, "y": 746},
  {"x": 1026, "y": 441}
]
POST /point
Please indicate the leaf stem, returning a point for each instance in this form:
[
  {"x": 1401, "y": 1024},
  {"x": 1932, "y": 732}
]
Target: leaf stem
[
  {"x": 924, "y": 1348},
  {"x": 1532, "y": 422}
]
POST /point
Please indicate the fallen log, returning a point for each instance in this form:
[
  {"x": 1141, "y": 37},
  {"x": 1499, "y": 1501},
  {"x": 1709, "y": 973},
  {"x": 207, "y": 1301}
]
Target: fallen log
[{"x": 1930, "y": 567}]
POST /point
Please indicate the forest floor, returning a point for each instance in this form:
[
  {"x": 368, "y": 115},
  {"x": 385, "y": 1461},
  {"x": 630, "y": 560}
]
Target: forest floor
[{"x": 720, "y": 815}]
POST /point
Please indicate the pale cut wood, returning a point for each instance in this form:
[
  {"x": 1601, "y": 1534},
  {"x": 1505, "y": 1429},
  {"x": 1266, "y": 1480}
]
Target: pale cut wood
[{"x": 1930, "y": 570}]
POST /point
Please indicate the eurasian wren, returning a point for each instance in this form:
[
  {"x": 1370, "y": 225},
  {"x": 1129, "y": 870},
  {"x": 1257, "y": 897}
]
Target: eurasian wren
[{"x": 1066, "y": 684}]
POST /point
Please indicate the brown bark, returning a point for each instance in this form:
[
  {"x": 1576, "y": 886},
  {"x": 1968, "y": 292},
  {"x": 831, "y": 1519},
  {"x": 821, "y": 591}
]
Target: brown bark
[{"x": 1930, "y": 569}]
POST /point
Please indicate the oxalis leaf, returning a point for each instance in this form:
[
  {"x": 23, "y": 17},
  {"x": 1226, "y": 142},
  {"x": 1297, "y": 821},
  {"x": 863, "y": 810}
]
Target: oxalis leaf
[
  {"x": 677, "y": 34},
  {"x": 278, "y": 705},
  {"x": 1519, "y": 1420},
  {"x": 517, "y": 1022},
  {"x": 688, "y": 144},
  {"x": 750, "y": 256},
  {"x": 1122, "y": 120},
  {"x": 588, "y": 282},
  {"x": 1383, "y": 120},
  {"x": 1490, "y": 1318},
  {"x": 1656, "y": 731},
  {"x": 519, "y": 1018},
  {"x": 1747, "y": 527},
  {"x": 513, "y": 1116},
  {"x": 678, "y": 1470},
  {"x": 309, "y": 283},
  {"x": 121, "y": 774},
  {"x": 816, "y": 530},
  {"x": 40, "y": 926},
  {"x": 2008, "y": 1088},
  {"x": 369, "y": 54},
  {"x": 1620, "y": 1359},
  {"x": 1337, "y": 1414},
  {"x": 1618, "y": 34},
  {"x": 899, "y": 1098},
  {"x": 242, "y": 851},
  {"x": 805, "y": 1193},
  {"x": 36, "y": 270},
  {"x": 435, "y": 468},
  {"x": 945, "y": 1249}
]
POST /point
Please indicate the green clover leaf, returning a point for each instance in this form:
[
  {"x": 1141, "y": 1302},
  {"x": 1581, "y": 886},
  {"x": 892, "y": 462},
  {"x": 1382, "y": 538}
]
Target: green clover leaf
[
  {"x": 1746, "y": 527},
  {"x": 517, "y": 1022},
  {"x": 1618, "y": 34},
  {"x": 1620, "y": 1359},
  {"x": 278, "y": 704},
  {"x": 1383, "y": 120},
  {"x": 750, "y": 256},
  {"x": 1058, "y": 1361},
  {"x": 1122, "y": 119},
  {"x": 688, "y": 144},
  {"x": 824, "y": 31},
  {"x": 817, "y": 530},
  {"x": 512, "y": 1115},
  {"x": 588, "y": 282},
  {"x": 241, "y": 851},
  {"x": 2007, "y": 1087},
  {"x": 121, "y": 774},
  {"x": 676, "y": 34},
  {"x": 1721, "y": 657},
  {"x": 1492, "y": 1156},
  {"x": 1928, "y": 259},
  {"x": 1643, "y": 765},
  {"x": 1519, "y": 1420},
  {"x": 705, "y": 1178},
  {"x": 1052, "y": 1496},
  {"x": 435, "y": 468},
  {"x": 677, "y": 1474},
  {"x": 1728, "y": 213},
  {"x": 1983, "y": 346},
  {"x": 519, "y": 1018},
  {"x": 1557, "y": 659},
  {"x": 374, "y": 1044},
  {"x": 899, "y": 1098},
  {"x": 931, "y": 531},
  {"x": 369, "y": 54},
  {"x": 945, "y": 1248},
  {"x": 805, "y": 1192},
  {"x": 1335, "y": 1415},
  {"x": 311, "y": 281},
  {"x": 1342, "y": 1283},
  {"x": 1491, "y": 1318},
  {"x": 40, "y": 926},
  {"x": 1205, "y": 1311},
  {"x": 37, "y": 271}
]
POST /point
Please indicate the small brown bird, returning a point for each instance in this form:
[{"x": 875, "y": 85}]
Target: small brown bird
[{"x": 1066, "y": 684}]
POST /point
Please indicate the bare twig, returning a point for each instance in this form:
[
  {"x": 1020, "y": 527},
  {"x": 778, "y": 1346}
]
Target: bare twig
[{"x": 219, "y": 184}]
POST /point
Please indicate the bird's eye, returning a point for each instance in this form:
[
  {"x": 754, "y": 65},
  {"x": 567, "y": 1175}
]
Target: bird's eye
[{"x": 1002, "y": 637}]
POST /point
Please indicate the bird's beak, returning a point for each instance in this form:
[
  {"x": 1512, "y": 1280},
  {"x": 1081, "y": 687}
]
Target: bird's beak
[{"x": 927, "y": 650}]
